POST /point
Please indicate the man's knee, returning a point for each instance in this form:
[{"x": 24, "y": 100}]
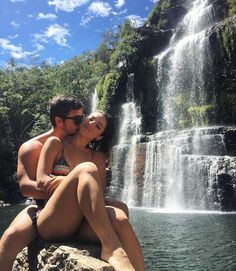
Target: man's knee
[
  {"x": 118, "y": 204},
  {"x": 124, "y": 208},
  {"x": 118, "y": 218},
  {"x": 10, "y": 236}
]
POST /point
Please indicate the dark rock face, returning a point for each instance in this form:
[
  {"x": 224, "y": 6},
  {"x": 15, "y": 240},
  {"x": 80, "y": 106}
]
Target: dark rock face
[
  {"x": 222, "y": 40},
  {"x": 230, "y": 142},
  {"x": 153, "y": 41},
  {"x": 226, "y": 192}
]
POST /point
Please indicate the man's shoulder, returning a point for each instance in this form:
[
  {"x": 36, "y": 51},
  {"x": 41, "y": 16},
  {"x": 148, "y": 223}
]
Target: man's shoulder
[{"x": 34, "y": 144}]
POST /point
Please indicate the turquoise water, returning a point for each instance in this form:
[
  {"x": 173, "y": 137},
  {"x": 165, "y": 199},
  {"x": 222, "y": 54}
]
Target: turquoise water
[
  {"x": 177, "y": 241},
  {"x": 186, "y": 241}
]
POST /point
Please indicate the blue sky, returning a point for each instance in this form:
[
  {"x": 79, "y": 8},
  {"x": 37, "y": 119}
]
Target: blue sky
[{"x": 56, "y": 30}]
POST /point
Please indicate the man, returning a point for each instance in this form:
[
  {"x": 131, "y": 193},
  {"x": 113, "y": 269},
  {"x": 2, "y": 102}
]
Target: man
[{"x": 65, "y": 115}]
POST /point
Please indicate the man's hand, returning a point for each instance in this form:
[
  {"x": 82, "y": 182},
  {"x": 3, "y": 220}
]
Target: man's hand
[{"x": 51, "y": 184}]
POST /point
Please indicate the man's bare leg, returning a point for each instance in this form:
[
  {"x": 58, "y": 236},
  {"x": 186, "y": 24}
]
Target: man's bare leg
[{"x": 17, "y": 236}]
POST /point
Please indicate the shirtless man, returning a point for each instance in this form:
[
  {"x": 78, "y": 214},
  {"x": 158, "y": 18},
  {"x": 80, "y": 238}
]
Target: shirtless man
[{"x": 66, "y": 113}]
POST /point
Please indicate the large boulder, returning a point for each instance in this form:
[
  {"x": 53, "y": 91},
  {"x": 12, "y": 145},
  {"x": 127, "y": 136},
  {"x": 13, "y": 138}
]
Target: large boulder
[{"x": 60, "y": 256}]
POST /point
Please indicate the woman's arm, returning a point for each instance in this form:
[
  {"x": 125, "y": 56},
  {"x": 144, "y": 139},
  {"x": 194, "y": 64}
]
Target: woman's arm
[{"x": 50, "y": 153}]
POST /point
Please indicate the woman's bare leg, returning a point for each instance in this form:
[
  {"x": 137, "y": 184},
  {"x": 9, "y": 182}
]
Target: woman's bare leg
[
  {"x": 80, "y": 194},
  {"x": 17, "y": 236},
  {"x": 124, "y": 231}
]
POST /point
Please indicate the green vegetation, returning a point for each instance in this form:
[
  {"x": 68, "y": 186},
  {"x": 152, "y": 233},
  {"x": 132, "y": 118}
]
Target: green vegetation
[
  {"x": 200, "y": 114},
  {"x": 125, "y": 53},
  {"x": 106, "y": 88},
  {"x": 227, "y": 37},
  {"x": 232, "y": 7},
  {"x": 160, "y": 7}
]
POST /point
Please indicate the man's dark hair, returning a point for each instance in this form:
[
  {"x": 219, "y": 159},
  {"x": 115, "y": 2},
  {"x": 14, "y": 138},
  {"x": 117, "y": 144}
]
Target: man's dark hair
[{"x": 60, "y": 106}]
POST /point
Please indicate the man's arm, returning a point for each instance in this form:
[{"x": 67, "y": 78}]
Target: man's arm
[{"x": 28, "y": 156}]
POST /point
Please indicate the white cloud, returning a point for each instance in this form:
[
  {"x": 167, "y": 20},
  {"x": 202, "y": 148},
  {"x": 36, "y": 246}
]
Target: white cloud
[
  {"x": 14, "y": 24},
  {"x": 146, "y": 8},
  {"x": 67, "y": 5},
  {"x": 136, "y": 20},
  {"x": 154, "y": 1},
  {"x": 55, "y": 33},
  {"x": 13, "y": 37},
  {"x": 15, "y": 51},
  {"x": 99, "y": 8},
  {"x": 50, "y": 60},
  {"x": 119, "y": 13},
  {"x": 47, "y": 16},
  {"x": 14, "y": 1},
  {"x": 85, "y": 20},
  {"x": 119, "y": 3},
  {"x": 39, "y": 47}
]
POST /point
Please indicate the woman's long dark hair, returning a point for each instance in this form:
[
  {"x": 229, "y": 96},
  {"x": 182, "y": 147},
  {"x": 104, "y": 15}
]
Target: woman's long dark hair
[{"x": 104, "y": 145}]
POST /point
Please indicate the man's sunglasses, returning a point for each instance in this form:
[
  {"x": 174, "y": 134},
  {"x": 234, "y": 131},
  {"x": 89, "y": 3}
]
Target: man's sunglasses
[{"x": 77, "y": 119}]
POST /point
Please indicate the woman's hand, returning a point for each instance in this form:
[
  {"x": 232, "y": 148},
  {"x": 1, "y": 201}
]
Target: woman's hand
[{"x": 51, "y": 184}]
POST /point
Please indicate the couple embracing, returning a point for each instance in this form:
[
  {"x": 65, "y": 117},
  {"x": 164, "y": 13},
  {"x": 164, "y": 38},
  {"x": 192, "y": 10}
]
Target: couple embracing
[{"x": 64, "y": 170}]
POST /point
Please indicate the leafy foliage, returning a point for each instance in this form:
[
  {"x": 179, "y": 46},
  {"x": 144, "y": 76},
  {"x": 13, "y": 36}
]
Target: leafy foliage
[
  {"x": 232, "y": 7},
  {"x": 125, "y": 53},
  {"x": 161, "y": 6},
  {"x": 106, "y": 88}
]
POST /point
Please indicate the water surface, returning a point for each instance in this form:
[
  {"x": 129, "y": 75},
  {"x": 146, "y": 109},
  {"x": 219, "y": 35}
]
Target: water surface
[
  {"x": 200, "y": 241},
  {"x": 197, "y": 241}
]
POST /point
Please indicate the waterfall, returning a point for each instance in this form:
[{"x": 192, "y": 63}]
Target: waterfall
[
  {"x": 94, "y": 101},
  {"x": 170, "y": 179},
  {"x": 182, "y": 66},
  {"x": 124, "y": 154},
  {"x": 182, "y": 169},
  {"x": 188, "y": 169}
]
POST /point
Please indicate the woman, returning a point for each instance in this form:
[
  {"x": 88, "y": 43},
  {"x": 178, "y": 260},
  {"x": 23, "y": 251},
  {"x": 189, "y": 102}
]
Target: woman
[{"x": 80, "y": 194}]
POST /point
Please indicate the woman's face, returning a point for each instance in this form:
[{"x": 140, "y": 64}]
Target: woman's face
[{"x": 93, "y": 125}]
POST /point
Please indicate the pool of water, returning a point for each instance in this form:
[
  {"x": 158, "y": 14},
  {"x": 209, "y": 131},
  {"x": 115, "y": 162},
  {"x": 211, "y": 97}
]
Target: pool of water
[
  {"x": 193, "y": 241},
  {"x": 197, "y": 241},
  {"x": 7, "y": 214}
]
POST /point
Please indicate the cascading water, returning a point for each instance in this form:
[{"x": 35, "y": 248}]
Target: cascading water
[
  {"x": 182, "y": 67},
  {"x": 124, "y": 154},
  {"x": 181, "y": 176},
  {"x": 181, "y": 169},
  {"x": 94, "y": 101},
  {"x": 185, "y": 172}
]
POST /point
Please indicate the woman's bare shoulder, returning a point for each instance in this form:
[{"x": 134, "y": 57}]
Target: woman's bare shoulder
[{"x": 54, "y": 140}]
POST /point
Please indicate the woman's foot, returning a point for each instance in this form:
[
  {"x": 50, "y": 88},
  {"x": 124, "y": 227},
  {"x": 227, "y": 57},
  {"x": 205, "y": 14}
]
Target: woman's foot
[{"x": 118, "y": 259}]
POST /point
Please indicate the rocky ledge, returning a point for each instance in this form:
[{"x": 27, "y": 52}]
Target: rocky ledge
[{"x": 60, "y": 256}]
